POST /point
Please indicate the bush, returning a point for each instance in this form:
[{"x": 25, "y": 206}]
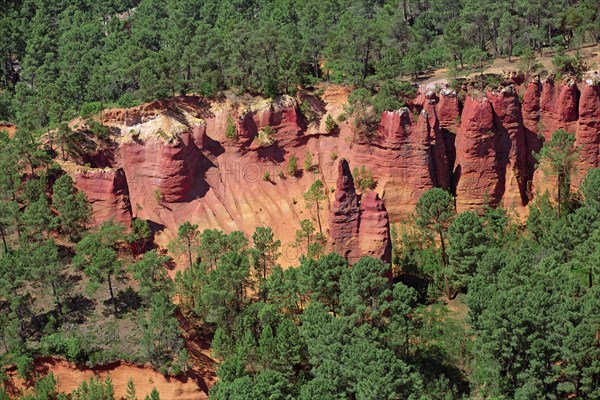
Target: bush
[
  {"x": 361, "y": 108},
  {"x": 92, "y": 108},
  {"x": 230, "y": 131},
  {"x": 271, "y": 88},
  {"x": 292, "y": 166},
  {"x": 566, "y": 64},
  {"x": 267, "y": 176},
  {"x": 308, "y": 162},
  {"x": 74, "y": 348},
  {"x": 330, "y": 124},
  {"x": 492, "y": 81},
  {"x": 392, "y": 95},
  {"x": 209, "y": 84},
  {"x": 265, "y": 136},
  {"x": 307, "y": 111},
  {"x": 24, "y": 364},
  {"x": 127, "y": 100},
  {"x": 363, "y": 179},
  {"x": 100, "y": 131}
]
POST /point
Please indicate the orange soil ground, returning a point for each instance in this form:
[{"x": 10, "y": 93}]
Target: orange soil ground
[{"x": 193, "y": 385}]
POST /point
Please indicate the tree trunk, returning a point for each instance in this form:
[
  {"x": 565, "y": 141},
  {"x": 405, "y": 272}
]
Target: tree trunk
[
  {"x": 4, "y": 244},
  {"x": 189, "y": 246},
  {"x": 444, "y": 267},
  {"x": 319, "y": 217},
  {"x": 560, "y": 180},
  {"x": 112, "y": 295},
  {"x": 57, "y": 299}
]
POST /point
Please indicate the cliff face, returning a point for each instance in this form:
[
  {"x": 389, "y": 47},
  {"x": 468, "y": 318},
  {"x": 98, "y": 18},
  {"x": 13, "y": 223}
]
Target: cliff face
[
  {"x": 107, "y": 191},
  {"x": 172, "y": 161}
]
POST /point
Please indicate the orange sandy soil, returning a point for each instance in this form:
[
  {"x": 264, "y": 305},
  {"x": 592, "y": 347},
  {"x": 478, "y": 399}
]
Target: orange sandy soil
[
  {"x": 69, "y": 376},
  {"x": 193, "y": 385},
  {"x": 10, "y": 128}
]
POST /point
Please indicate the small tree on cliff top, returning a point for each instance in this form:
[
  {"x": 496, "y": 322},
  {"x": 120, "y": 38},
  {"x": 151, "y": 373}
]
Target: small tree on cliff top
[{"x": 558, "y": 159}]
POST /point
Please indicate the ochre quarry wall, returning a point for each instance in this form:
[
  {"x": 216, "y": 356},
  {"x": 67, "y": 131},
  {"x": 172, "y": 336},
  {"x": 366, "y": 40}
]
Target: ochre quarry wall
[{"x": 173, "y": 162}]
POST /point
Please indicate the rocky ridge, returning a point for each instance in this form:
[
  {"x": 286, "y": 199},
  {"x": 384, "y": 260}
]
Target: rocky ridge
[{"x": 172, "y": 160}]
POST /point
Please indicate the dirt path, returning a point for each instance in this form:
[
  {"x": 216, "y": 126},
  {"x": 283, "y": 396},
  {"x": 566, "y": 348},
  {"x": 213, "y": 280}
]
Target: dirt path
[{"x": 590, "y": 53}]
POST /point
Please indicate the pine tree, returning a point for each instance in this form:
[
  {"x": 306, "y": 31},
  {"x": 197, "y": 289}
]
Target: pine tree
[
  {"x": 74, "y": 211},
  {"x": 435, "y": 211},
  {"x": 130, "y": 392},
  {"x": 154, "y": 395},
  {"x": 558, "y": 159}
]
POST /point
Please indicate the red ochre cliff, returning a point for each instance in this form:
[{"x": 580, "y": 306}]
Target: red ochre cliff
[{"x": 172, "y": 161}]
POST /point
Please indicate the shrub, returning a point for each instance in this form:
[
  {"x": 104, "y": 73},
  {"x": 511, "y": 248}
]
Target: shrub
[
  {"x": 566, "y": 64},
  {"x": 24, "y": 364},
  {"x": 271, "y": 88},
  {"x": 74, "y": 348},
  {"x": 265, "y": 136},
  {"x": 309, "y": 114},
  {"x": 392, "y": 95},
  {"x": 363, "y": 179},
  {"x": 292, "y": 166},
  {"x": 266, "y": 176},
  {"x": 100, "y": 131},
  {"x": 493, "y": 81},
  {"x": 528, "y": 62},
  {"x": 360, "y": 107},
  {"x": 159, "y": 197},
  {"x": 91, "y": 108},
  {"x": 342, "y": 117},
  {"x": 308, "y": 162},
  {"x": 330, "y": 124},
  {"x": 230, "y": 131},
  {"x": 127, "y": 101},
  {"x": 334, "y": 156}
]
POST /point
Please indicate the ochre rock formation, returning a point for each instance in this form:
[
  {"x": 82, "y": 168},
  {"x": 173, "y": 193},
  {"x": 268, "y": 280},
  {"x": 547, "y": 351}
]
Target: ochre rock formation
[
  {"x": 477, "y": 170},
  {"x": 374, "y": 229},
  {"x": 531, "y": 123},
  {"x": 107, "y": 191},
  {"x": 587, "y": 133},
  {"x": 358, "y": 227},
  {"x": 401, "y": 157},
  {"x": 178, "y": 165},
  {"x": 558, "y": 107},
  {"x": 512, "y": 145},
  {"x": 344, "y": 215}
]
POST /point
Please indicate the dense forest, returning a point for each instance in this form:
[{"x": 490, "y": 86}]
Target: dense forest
[
  {"x": 475, "y": 305},
  {"x": 59, "y": 58}
]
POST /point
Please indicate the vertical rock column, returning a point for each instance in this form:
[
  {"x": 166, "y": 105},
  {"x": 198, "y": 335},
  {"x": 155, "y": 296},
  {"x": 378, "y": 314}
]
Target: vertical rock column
[
  {"x": 587, "y": 132},
  {"x": 374, "y": 228},
  {"x": 477, "y": 167},
  {"x": 344, "y": 215},
  {"x": 512, "y": 148}
]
